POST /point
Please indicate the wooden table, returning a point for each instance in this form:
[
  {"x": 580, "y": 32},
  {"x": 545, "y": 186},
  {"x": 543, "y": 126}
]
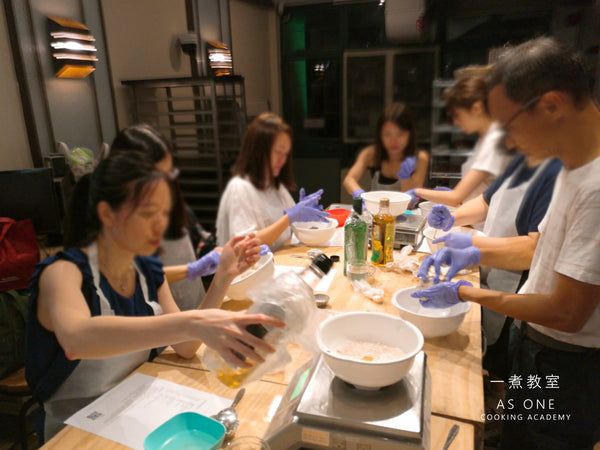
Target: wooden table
[
  {"x": 254, "y": 411},
  {"x": 454, "y": 361}
]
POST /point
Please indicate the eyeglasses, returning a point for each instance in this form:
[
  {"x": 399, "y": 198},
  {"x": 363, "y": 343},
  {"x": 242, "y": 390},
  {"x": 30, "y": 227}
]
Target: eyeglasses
[{"x": 523, "y": 108}]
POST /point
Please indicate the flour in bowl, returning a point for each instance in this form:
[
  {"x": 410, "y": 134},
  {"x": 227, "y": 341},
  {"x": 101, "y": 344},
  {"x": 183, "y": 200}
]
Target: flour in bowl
[{"x": 369, "y": 351}]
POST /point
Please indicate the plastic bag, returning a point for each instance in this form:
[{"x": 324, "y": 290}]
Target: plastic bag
[
  {"x": 81, "y": 160},
  {"x": 293, "y": 298}
]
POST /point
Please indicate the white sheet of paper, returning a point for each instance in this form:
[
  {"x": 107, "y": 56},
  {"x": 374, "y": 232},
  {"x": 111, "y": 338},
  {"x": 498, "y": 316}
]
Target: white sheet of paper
[
  {"x": 135, "y": 407},
  {"x": 322, "y": 286}
]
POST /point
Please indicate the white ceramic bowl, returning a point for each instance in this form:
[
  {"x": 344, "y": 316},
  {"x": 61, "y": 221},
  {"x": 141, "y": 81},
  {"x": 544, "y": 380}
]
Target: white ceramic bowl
[
  {"x": 262, "y": 271},
  {"x": 425, "y": 207},
  {"x": 315, "y": 233},
  {"x": 349, "y": 329},
  {"x": 398, "y": 201},
  {"x": 431, "y": 234},
  {"x": 432, "y": 322}
]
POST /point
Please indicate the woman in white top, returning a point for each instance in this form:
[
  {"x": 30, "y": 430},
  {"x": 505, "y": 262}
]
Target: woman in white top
[
  {"x": 257, "y": 197},
  {"x": 394, "y": 160},
  {"x": 466, "y": 102}
]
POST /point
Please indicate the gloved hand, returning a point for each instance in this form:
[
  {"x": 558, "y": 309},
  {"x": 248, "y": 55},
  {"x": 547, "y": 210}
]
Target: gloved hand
[
  {"x": 442, "y": 188},
  {"x": 442, "y": 295},
  {"x": 207, "y": 265},
  {"x": 414, "y": 198},
  {"x": 407, "y": 168},
  {"x": 264, "y": 249},
  {"x": 303, "y": 195},
  {"x": 440, "y": 218},
  {"x": 456, "y": 258},
  {"x": 307, "y": 210},
  {"x": 455, "y": 240},
  {"x": 357, "y": 192}
]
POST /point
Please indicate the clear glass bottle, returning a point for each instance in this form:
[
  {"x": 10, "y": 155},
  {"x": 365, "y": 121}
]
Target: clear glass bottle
[
  {"x": 383, "y": 233},
  {"x": 288, "y": 297},
  {"x": 355, "y": 237}
]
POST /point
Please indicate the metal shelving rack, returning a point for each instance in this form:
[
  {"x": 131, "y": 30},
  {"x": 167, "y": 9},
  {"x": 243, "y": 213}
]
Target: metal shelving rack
[
  {"x": 204, "y": 118},
  {"x": 446, "y": 157}
]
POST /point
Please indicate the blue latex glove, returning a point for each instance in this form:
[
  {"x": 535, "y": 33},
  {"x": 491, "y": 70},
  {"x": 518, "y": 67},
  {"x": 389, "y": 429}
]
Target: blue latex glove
[
  {"x": 303, "y": 195},
  {"x": 455, "y": 240},
  {"x": 414, "y": 198},
  {"x": 456, "y": 258},
  {"x": 442, "y": 295},
  {"x": 357, "y": 192},
  {"x": 407, "y": 168},
  {"x": 307, "y": 210},
  {"x": 264, "y": 249},
  {"x": 440, "y": 218},
  {"x": 207, "y": 265},
  {"x": 442, "y": 188}
]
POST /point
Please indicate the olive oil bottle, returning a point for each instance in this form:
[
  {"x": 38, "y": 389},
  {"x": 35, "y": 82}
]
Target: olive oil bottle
[{"x": 382, "y": 239}]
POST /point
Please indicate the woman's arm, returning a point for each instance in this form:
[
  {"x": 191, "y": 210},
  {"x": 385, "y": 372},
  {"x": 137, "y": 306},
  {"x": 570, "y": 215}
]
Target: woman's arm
[
  {"x": 270, "y": 234},
  {"x": 364, "y": 160},
  {"x": 456, "y": 196},
  {"x": 417, "y": 179},
  {"x": 63, "y": 310},
  {"x": 473, "y": 211}
]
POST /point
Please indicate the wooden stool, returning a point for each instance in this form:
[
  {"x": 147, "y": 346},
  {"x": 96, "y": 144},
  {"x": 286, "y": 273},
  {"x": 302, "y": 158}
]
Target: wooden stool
[{"x": 15, "y": 385}]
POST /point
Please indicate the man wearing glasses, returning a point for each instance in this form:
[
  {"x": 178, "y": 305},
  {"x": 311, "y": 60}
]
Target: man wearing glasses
[{"x": 540, "y": 92}]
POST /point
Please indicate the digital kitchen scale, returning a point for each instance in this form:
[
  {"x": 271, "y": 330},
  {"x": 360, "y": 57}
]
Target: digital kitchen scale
[
  {"x": 320, "y": 411},
  {"x": 409, "y": 230}
]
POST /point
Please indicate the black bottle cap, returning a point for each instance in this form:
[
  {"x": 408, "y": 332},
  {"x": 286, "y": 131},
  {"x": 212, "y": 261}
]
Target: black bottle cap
[{"x": 323, "y": 262}]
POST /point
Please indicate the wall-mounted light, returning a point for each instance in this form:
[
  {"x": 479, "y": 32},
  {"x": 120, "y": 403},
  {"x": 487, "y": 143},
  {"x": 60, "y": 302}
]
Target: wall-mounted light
[
  {"x": 219, "y": 58},
  {"x": 73, "y": 48}
]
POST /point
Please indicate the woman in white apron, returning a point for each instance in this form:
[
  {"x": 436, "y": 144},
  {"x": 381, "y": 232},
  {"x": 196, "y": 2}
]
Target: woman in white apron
[
  {"x": 395, "y": 162},
  {"x": 98, "y": 308},
  {"x": 466, "y": 102}
]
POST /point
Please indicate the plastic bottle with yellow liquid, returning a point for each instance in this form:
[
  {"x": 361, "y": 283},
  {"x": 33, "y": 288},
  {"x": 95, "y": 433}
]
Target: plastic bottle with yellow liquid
[
  {"x": 288, "y": 297},
  {"x": 383, "y": 233}
]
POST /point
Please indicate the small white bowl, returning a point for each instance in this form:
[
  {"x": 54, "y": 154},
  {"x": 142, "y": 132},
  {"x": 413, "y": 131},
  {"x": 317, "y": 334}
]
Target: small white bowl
[
  {"x": 425, "y": 207},
  {"x": 431, "y": 234},
  {"x": 262, "y": 271},
  {"x": 398, "y": 201},
  {"x": 350, "y": 329},
  {"x": 433, "y": 322},
  {"x": 315, "y": 233}
]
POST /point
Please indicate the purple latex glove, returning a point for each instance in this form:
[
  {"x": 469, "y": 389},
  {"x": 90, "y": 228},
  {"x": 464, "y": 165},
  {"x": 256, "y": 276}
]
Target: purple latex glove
[
  {"x": 357, "y": 192},
  {"x": 414, "y": 198},
  {"x": 442, "y": 295},
  {"x": 303, "y": 195},
  {"x": 442, "y": 188},
  {"x": 307, "y": 210},
  {"x": 456, "y": 258},
  {"x": 407, "y": 168},
  {"x": 207, "y": 265},
  {"x": 455, "y": 240},
  {"x": 264, "y": 249},
  {"x": 440, "y": 218}
]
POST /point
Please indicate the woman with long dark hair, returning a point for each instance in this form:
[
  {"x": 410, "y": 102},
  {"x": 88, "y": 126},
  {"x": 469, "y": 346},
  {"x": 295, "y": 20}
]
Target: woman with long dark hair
[
  {"x": 257, "y": 197},
  {"x": 99, "y": 308},
  {"x": 395, "y": 162}
]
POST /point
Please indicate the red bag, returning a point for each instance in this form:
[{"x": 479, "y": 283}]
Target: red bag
[{"x": 19, "y": 253}]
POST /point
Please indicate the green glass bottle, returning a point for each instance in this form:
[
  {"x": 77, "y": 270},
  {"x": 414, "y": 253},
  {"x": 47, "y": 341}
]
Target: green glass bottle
[{"x": 355, "y": 237}]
